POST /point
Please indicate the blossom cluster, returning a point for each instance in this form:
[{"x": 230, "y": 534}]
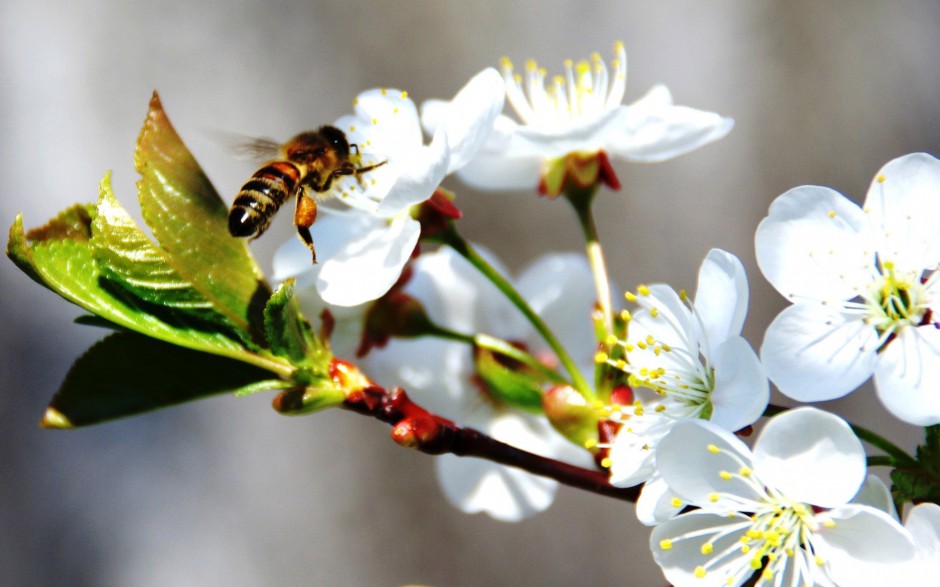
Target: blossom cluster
[{"x": 674, "y": 381}]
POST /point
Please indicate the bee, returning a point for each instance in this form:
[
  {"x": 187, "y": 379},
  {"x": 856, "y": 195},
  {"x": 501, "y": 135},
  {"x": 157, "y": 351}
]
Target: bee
[{"x": 309, "y": 162}]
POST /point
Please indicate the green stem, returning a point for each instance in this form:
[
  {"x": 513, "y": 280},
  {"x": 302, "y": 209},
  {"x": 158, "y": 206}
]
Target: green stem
[
  {"x": 897, "y": 456},
  {"x": 450, "y": 237},
  {"x": 499, "y": 346},
  {"x": 581, "y": 199}
]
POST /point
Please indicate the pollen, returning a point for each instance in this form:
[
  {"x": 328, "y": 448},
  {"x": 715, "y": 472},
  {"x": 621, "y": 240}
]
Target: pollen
[
  {"x": 606, "y": 462},
  {"x": 713, "y": 449},
  {"x": 714, "y": 497},
  {"x": 676, "y": 502},
  {"x": 654, "y": 312},
  {"x": 590, "y": 443},
  {"x": 881, "y": 179},
  {"x": 631, "y": 297},
  {"x": 832, "y": 213},
  {"x": 700, "y": 572},
  {"x": 404, "y": 95},
  {"x": 625, "y": 315},
  {"x": 665, "y": 544},
  {"x": 375, "y": 121},
  {"x": 643, "y": 290},
  {"x": 601, "y": 357},
  {"x": 384, "y": 91},
  {"x": 725, "y": 476},
  {"x": 707, "y": 548}
]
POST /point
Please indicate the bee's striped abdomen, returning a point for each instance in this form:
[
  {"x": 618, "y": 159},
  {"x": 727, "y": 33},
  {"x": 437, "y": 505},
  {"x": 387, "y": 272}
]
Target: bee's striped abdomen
[{"x": 260, "y": 198}]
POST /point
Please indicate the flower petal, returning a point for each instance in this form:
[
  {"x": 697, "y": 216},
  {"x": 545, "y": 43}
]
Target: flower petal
[
  {"x": 923, "y": 522},
  {"x": 810, "y": 456},
  {"x": 560, "y": 289},
  {"x": 864, "y": 546},
  {"x": 682, "y": 560},
  {"x": 652, "y": 129},
  {"x": 741, "y": 389},
  {"x": 907, "y": 376},
  {"x": 721, "y": 298},
  {"x": 369, "y": 260},
  {"x": 815, "y": 354},
  {"x": 469, "y": 119},
  {"x": 688, "y": 461},
  {"x": 499, "y": 170},
  {"x": 904, "y": 202},
  {"x": 815, "y": 244},
  {"x": 391, "y": 120},
  {"x": 875, "y": 493},
  {"x": 504, "y": 493},
  {"x": 418, "y": 177},
  {"x": 656, "y": 502}
]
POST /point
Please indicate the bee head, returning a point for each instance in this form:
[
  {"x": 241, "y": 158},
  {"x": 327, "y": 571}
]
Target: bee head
[{"x": 337, "y": 139}]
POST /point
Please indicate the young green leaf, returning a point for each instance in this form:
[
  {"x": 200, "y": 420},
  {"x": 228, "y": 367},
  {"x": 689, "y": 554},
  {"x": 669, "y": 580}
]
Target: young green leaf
[
  {"x": 288, "y": 334},
  {"x": 510, "y": 381},
  {"x": 127, "y": 374},
  {"x": 189, "y": 221},
  {"x": 130, "y": 258},
  {"x": 67, "y": 266}
]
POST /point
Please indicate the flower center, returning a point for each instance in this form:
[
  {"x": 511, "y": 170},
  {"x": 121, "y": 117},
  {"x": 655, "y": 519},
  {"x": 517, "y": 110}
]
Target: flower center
[
  {"x": 779, "y": 532},
  {"x": 584, "y": 92},
  {"x": 896, "y": 300},
  {"x": 677, "y": 369}
]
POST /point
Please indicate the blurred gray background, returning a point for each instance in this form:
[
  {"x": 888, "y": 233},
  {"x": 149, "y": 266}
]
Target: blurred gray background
[{"x": 226, "y": 491}]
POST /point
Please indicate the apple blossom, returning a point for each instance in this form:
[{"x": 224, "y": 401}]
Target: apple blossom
[
  {"x": 580, "y": 114},
  {"x": 864, "y": 287},
  {"x": 782, "y": 510},
  {"x": 364, "y": 248}
]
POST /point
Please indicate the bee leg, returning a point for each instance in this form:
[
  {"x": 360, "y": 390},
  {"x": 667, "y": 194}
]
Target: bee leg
[{"x": 304, "y": 216}]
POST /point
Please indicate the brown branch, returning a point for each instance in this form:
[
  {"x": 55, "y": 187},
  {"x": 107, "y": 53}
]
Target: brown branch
[{"x": 415, "y": 427}]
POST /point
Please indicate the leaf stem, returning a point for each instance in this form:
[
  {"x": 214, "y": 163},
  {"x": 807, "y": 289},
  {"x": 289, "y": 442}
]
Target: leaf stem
[{"x": 450, "y": 237}]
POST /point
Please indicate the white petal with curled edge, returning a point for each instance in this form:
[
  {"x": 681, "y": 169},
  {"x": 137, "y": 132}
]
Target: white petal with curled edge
[
  {"x": 652, "y": 129},
  {"x": 369, "y": 260},
  {"x": 469, "y": 119},
  {"x": 907, "y": 376},
  {"x": 721, "y": 297},
  {"x": 875, "y": 493},
  {"x": 655, "y": 504},
  {"x": 864, "y": 546},
  {"x": 814, "y": 354},
  {"x": 418, "y": 177},
  {"x": 810, "y": 456},
  {"x": 815, "y": 244},
  {"x": 904, "y": 203},
  {"x": 741, "y": 389},
  {"x": 632, "y": 456},
  {"x": 689, "y": 466}
]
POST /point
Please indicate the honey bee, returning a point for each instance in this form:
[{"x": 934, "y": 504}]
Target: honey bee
[{"x": 309, "y": 162}]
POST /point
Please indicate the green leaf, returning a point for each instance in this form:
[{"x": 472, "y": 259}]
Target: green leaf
[
  {"x": 127, "y": 374},
  {"x": 189, "y": 221},
  {"x": 922, "y": 482},
  {"x": 510, "y": 381},
  {"x": 129, "y": 257},
  {"x": 288, "y": 333},
  {"x": 68, "y": 267}
]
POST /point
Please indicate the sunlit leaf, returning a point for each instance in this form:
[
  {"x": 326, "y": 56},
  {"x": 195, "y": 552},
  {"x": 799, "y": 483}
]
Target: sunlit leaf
[{"x": 189, "y": 221}]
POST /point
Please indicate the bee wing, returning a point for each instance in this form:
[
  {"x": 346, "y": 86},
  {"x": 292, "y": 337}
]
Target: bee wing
[{"x": 245, "y": 147}]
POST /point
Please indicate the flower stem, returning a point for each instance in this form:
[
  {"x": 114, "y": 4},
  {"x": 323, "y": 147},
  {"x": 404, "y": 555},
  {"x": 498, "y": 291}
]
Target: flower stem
[
  {"x": 450, "y": 237},
  {"x": 499, "y": 346},
  {"x": 415, "y": 427},
  {"x": 581, "y": 199},
  {"x": 897, "y": 455}
]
